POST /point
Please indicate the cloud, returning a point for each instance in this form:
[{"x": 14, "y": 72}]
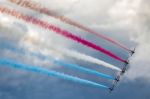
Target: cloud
[
  {"x": 125, "y": 20},
  {"x": 131, "y": 15},
  {"x": 134, "y": 16}
]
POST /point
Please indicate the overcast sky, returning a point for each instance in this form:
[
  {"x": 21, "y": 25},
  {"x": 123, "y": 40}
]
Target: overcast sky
[{"x": 127, "y": 21}]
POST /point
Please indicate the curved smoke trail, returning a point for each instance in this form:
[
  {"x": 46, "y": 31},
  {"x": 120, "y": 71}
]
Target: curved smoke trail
[
  {"x": 58, "y": 30},
  {"x": 37, "y": 7},
  {"x": 61, "y": 63},
  {"x": 38, "y": 69}
]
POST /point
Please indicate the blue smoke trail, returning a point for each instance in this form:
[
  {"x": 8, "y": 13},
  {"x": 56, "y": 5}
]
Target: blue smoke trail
[
  {"x": 38, "y": 69},
  {"x": 61, "y": 63}
]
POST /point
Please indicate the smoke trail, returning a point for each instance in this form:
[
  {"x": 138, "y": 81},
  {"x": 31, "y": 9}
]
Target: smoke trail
[
  {"x": 58, "y": 30},
  {"x": 88, "y": 58},
  {"x": 61, "y": 63},
  {"x": 39, "y": 8},
  {"x": 37, "y": 69},
  {"x": 72, "y": 53}
]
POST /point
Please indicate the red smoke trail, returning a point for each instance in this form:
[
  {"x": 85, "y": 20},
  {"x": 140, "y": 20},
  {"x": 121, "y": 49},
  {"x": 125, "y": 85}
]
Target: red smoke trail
[
  {"x": 39, "y": 8},
  {"x": 58, "y": 30}
]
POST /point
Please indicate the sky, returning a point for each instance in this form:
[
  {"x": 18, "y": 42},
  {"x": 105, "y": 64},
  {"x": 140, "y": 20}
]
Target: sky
[{"x": 124, "y": 20}]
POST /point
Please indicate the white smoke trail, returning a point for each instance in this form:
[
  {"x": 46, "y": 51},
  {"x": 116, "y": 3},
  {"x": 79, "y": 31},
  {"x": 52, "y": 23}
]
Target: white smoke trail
[
  {"x": 88, "y": 58},
  {"x": 35, "y": 40}
]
